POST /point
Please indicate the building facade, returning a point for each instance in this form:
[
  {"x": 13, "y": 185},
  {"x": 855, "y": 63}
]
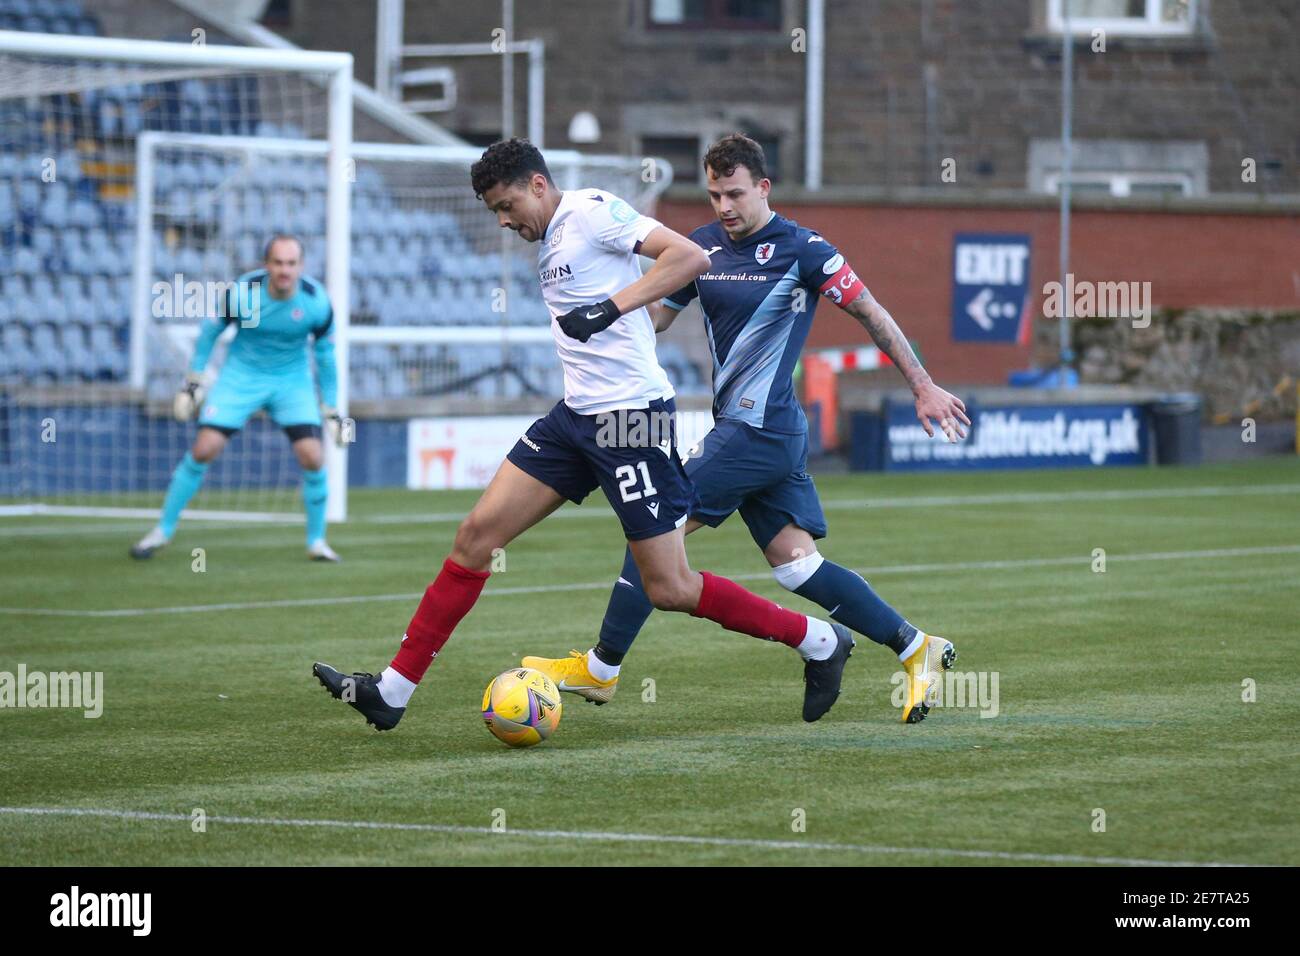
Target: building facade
[{"x": 1181, "y": 97}]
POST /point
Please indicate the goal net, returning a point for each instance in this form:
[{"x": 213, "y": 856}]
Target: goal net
[
  {"x": 445, "y": 305},
  {"x": 169, "y": 189},
  {"x": 85, "y": 388}
]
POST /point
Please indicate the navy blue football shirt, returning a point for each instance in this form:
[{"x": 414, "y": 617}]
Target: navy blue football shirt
[{"x": 758, "y": 300}]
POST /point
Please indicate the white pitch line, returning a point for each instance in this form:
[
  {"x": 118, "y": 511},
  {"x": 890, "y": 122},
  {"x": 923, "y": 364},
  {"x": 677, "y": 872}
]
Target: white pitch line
[
  {"x": 90, "y": 530},
  {"x": 829, "y": 504},
  {"x": 1010, "y": 564},
  {"x": 614, "y": 837},
  {"x": 928, "y": 501},
  {"x": 86, "y": 511},
  {"x": 1060, "y": 497}
]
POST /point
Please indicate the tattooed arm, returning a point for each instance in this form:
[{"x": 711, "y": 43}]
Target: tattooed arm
[{"x": 932, "y": 402}]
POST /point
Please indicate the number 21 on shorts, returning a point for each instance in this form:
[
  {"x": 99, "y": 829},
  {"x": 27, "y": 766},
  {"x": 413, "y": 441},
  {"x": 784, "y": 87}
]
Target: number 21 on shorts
[{"x": 627, "y": 480}]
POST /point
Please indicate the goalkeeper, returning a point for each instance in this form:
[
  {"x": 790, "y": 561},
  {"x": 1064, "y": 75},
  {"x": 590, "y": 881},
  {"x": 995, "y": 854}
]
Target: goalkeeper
[{"x": 277, "y": 309}]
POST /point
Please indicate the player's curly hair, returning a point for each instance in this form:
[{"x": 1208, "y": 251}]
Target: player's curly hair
[
  {"x": 733, "y": 150},
  {"x": 510, "y": 161}
]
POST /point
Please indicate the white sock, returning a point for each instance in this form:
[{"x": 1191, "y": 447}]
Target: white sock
[
  {"x": 599, "y": 669},
  {"x": 820, "y": 641},
  {"x": 911, "y": 648},
  {"x": 394, "y": 688}
]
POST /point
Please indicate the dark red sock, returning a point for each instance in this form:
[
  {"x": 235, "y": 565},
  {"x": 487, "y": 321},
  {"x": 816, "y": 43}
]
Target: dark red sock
[
  {"x": 445, "y": 602},
  {"x": 736, "y": 609}
]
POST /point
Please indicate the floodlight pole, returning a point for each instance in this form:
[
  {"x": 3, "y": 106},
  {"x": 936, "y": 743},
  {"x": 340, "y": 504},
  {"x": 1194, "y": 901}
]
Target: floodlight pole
[
  {"x": 507, "y": 70},
  {"x": 813, "y": 95},
  {"x": 1065, "y": 355},
  {"x": 507, "y": 131}
]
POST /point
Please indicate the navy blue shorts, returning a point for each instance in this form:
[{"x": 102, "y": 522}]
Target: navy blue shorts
[
  {"x": 631, "y": 454},
  {"x": 760, "y": 473}
]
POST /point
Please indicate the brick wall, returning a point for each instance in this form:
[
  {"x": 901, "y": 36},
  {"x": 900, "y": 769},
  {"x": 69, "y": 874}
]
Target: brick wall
[
  {"x": 908, "y": 82},
  {"x": 904, "y": 254}
]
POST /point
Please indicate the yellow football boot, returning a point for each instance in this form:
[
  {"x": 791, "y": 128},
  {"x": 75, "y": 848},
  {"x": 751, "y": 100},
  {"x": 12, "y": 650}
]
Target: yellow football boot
[
  {"x": 571, "y": 674},
  {"x": 924, "y": 670}
]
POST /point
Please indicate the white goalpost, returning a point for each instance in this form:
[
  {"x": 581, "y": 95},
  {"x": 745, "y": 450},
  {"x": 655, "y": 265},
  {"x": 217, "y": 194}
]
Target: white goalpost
[
  {"x": 445, "y": 304},
  {"x": 80, "y": 431},
  {"x": 435, "y": 306}
]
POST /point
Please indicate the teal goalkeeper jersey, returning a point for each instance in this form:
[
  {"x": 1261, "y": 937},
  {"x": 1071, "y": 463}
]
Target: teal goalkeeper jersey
[{"x": 272, "y": 334}]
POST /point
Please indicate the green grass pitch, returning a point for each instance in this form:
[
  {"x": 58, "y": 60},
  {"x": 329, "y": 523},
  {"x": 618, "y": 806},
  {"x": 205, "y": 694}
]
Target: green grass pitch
[{"x": 1119, "y": 691}]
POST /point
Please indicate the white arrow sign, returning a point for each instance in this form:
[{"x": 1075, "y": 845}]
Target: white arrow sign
[{"x": 978, "y": 309}]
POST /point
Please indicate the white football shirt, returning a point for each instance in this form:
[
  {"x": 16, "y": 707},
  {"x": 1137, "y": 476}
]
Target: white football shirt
[{"x": 587, "y": 255}]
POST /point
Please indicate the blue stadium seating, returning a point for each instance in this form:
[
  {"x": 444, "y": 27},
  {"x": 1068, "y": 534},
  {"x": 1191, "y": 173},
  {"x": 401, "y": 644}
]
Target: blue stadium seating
[{"x": 66, "y": 245}]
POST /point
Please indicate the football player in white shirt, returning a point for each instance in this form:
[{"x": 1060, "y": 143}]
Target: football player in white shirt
[{"x": 613, "y": 430}]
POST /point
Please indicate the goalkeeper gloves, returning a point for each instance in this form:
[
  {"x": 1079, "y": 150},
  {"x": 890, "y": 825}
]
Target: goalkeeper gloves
[
  {"x": 188, "y": 401},
  {"x": 584, "y": 322},
  {"x": 334, "y": 425}
]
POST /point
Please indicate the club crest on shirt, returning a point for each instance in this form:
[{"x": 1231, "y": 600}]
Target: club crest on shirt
[
  {"x": 763, "y": 253},
  {"x": 559, "y": 234},
  {"x": 296, "y": 315}
]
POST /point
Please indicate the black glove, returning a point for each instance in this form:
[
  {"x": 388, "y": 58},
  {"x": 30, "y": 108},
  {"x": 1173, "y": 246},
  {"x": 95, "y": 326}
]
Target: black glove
[{"x": 584, "y": 322}]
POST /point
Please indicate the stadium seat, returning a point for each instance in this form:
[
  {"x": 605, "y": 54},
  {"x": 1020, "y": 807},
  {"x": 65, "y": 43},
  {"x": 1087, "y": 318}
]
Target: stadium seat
[
  {"x": 42, "y": 241},
  {"x": 48, "y": 357},
  {"x": 83, "y": 212},
  {"x": 29, "y": 195},
  {"x": 15, "y": 352},
  {"x": 80, "y": 306},
  {"x": 102, "y": 341},
  {"x": 54, "y": 210},
  {"x": 412, "y": 265},
  {"x": 41, "y": 287},
  {"x": 26, "y": 261},
  {"x": 72, "y": 338},
  {"x": 121, "y": 298},
  {"x": 105, "y": 262},
  {"x": 80, "y": 259}
]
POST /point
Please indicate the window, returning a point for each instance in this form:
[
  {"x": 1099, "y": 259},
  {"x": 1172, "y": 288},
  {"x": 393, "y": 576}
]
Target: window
[
  {"x": 1123, "y": 184},
  {"x": 1122, "y": 167},
  {"x": 771, "y": 144},
  {"x": 1125, "y": 17},
  {"x": 278, "y": 13},
  {"x": 682, "y": 152},
  {"x": 716, "y": 14},
  {"x": 686, "y": 153}
]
